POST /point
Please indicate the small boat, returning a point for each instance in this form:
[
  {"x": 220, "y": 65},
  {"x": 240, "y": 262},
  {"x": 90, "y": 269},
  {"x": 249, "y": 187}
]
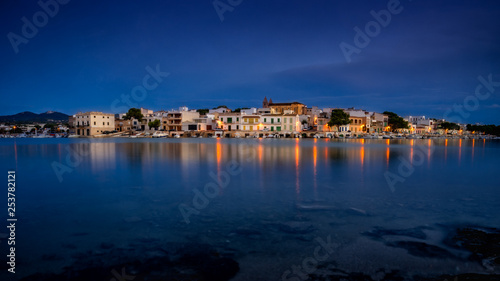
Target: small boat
[{"x": 160, "y": 135}]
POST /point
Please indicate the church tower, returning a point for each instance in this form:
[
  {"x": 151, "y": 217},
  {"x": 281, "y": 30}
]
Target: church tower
[{"x": 265, "y": 103}]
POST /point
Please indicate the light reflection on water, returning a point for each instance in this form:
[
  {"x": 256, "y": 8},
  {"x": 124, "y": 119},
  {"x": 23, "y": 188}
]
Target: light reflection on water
[{"x": 118, "y": 179}]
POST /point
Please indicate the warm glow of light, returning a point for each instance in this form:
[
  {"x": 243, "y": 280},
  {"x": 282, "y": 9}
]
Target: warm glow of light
[
  {"x": 473, "y": 141},
  {"x": 260, "y": 152},
  {"x": 387, "y": 154},
  {"x": 459, "y": 151},
  {"x": 445, "y": 149},
  {"x": 362, "y": 155},
  {"x": 315, "y": 159},
  {"x": 218, "y": 152},
  {"x": 387, "y": 141},
  {"x": 411, "y": 154}
]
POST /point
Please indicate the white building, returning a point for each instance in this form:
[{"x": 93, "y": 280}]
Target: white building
[{"x": 93, "y": 123}]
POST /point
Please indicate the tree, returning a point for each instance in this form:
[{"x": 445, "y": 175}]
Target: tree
[
  {"x": 396, "y": 121},
  {"x": 338, "y": 118},
  {"x": 239, "y": 109},
  {"x": 154, "y": 124},
  {"x": 203, "y": 111},
  {"x": 449, "y": 126},
  {"x": 487, "y": 129},
  {"x": 50, "y": 126},
  {"x": 220, "y": 106},
  {"x": 133, "y": 113}
]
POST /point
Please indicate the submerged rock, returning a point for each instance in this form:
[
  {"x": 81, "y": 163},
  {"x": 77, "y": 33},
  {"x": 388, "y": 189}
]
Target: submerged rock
[
  {"x": 170, "y": 262},
  {"x": 420, "y": 249},
  {"x": 378, "y": 233},
  {"x": 482, "y": 242}
]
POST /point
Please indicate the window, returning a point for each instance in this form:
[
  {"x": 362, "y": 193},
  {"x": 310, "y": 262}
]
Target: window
[
  {"x": 290, "y": 120},
  {"x": 284, "y": 120},
  {"x": 108, "y": 123},
  {"x": 229, "y": 120},
  {"x": 94, "y": 123},
  {"x": 222, "y": 119},
  {"x": 272, "y": 120},
  {"x": 278, "y": 120},
  {"x": 237, "y": 119},
  {"x": 265, "y": 119}
]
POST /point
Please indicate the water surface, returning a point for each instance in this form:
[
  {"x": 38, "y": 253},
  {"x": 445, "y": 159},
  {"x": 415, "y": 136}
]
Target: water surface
[{"x": 278, "y": 196}]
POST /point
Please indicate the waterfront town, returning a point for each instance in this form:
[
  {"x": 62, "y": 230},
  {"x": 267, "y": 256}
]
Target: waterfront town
[{"x": 272, "y": 120}]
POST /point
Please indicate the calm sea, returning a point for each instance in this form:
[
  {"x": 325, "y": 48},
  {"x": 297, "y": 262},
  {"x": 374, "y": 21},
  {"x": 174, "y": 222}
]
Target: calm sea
[{"x": 267, "y": 202}]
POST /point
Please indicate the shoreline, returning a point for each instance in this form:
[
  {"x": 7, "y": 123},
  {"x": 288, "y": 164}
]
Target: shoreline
[{"x": 242, "y": 134}]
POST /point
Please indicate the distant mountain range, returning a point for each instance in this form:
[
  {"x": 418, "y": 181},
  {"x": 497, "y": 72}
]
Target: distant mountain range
[{"x": 30, "y": 117}]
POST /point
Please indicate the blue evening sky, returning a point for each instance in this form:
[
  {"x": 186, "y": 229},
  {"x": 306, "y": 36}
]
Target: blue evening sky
[{"x": 90, "y": 53}]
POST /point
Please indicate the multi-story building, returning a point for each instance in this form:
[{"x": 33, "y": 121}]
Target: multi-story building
[
  {"x": 360, "y": 120},
  {"x": 203, "y": 123},
  {"x": 379, "y": 122},
  {"x": 124, "y": 125},
  {"x": 229, "y": 121},
  {"x": 146, "y": 112},
  {"x": 291, "y": 123},
  {"x": 284, "y": 108},
  {"x": 295, "y": 107},
  {"x": 271, "y": 122},
  {"x": 219, "y": 110},
  {"x": 421, "y": 124},
  {"x": 249, "y": 111},
  {"x": 313, "y": 114},
  {"x": 250, "y": 123},
  {"x": 150, "y": 118},
  {"x": 174, "y": 119},
  {"x": 93, "y": 123}
]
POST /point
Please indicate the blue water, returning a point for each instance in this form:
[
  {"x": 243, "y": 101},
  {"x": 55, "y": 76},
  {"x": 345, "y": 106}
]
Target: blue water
[{"x": 122, "y": 191}]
